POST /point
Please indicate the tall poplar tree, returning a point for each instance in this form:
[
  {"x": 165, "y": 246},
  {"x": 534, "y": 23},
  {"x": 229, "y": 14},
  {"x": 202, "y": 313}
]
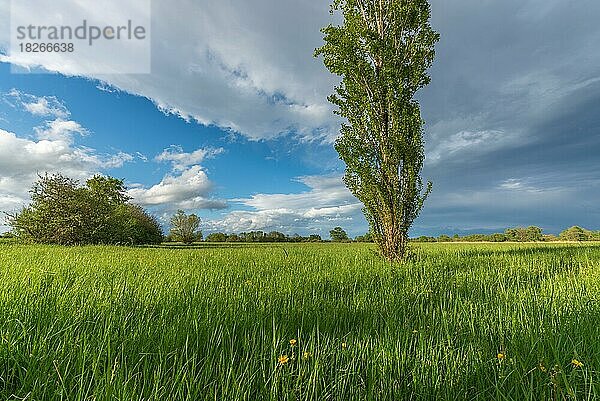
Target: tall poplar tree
[{"x": 382, "y": 51}]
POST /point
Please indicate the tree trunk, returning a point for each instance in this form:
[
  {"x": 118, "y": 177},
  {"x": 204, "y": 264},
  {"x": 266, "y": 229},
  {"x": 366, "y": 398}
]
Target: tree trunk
[{"x": 394, "y": 240}]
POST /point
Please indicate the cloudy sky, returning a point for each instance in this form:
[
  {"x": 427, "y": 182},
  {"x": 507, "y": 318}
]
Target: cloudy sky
[{"x": 232, "y": 123}]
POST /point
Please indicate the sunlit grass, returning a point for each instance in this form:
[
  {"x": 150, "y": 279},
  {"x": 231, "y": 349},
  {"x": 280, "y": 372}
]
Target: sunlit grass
[{"x": 457, "y": 322}]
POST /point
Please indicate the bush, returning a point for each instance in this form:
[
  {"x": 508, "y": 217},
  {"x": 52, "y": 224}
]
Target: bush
[{"x": 65, "y": 213}]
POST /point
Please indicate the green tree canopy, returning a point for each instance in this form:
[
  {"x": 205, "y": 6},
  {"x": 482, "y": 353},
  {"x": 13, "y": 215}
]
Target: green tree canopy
[
  {"x": 185, "y": 228},
  {"x": 314, "y": 238},
  {"x": 522, "y": 234},
  {"x": 63, "y": 212},
  {"x": 339, "y": 235},
  {"x": 382, "y": 51},
  {"x": 575, "y": 233}
]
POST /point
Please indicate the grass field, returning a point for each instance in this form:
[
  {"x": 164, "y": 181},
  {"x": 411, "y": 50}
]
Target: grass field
[{"x": 458, "y": 322}]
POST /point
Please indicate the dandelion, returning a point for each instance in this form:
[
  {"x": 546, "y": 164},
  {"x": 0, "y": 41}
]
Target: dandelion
[
  {"x": 293, "y": 342},
  {"x": 283, "y": 359},
  {"x": 576, "y": 363},
  {"x": 306, "y": 355},
  {"x": 501, "y": 356}
]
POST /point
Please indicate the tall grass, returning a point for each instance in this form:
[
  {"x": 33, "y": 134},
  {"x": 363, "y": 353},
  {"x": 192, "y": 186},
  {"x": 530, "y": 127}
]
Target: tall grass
[{"x": 458, "y": 322}]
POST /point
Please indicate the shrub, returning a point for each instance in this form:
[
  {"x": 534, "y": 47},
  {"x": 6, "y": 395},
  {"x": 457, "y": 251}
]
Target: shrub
[{"x": 65, "y": 213}]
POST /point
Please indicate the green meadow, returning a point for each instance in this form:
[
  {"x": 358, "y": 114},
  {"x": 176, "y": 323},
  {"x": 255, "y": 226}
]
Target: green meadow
[{"x": 456, "y": 322}]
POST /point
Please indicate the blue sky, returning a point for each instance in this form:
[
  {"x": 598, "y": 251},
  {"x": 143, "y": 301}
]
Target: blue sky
[{"x": 233, "y": 124}]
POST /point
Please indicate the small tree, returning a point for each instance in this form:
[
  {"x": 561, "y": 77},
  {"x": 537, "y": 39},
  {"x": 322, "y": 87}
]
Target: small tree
[
  {"x": 444, "y": 238},
  {"x": 314, "y": 238},
  {"x": 575, "y": 233},
  {"x": 382, "y": 51},
  {"x": 339, "y": 235},
  {"x": 534, "y": 234},
  {"x": 522, "y": 234},
  {"x": 184, "y": 228}
]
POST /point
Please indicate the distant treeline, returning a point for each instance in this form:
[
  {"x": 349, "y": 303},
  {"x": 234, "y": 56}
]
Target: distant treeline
[
  {"x": 252, "y": 236},
  {"x": 519, "y": 234},
  {"x": 336, "y": 235}
]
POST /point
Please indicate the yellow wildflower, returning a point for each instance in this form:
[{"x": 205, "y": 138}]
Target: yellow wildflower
[
  {"x": 344, "y": 345},
  {"x": 283, "y": 359},
  {"x": 293, "y": 342},
  {"x": 501, "y": 356},
  {"x": 576, "y": 363},
  {"x": 306, "y": 355}
]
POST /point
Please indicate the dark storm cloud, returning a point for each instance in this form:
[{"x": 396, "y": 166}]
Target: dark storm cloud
[{"x": 513, "y": 116}]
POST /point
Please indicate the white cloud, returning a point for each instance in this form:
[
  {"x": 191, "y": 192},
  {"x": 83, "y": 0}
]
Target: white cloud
[
  {"x": 187, "y": 187},
  {"x": 286, "y": 221},
  {"x": 60, "y": 130},
  {"x": 57, "y": 125},
  {"x": 181, "y": 160},
  {"x": 117, "y": 160},
  {"x": 188, "y": 190},
  {"x": 25, "y": 156},
  {"x": 325, "y": 205},
  {"x": 244, "y": 66},
  {"x": 44, "y": 106}
]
